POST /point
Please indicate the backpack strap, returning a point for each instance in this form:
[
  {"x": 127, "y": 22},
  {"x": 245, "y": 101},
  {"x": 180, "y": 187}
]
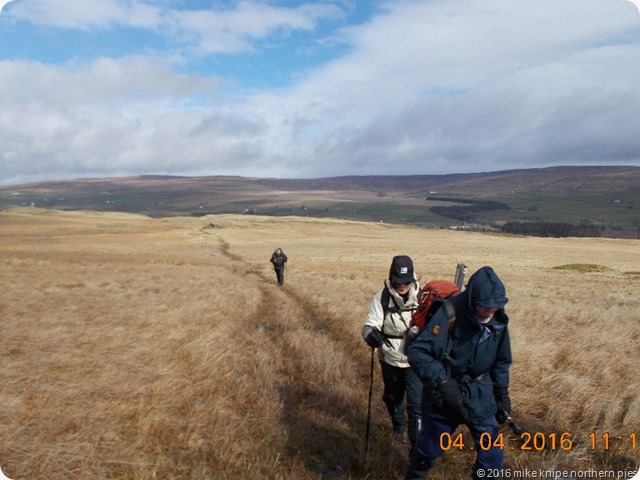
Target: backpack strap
[
  {"x": 384, "y": 300},
  {"x": 451, "y": 317}
]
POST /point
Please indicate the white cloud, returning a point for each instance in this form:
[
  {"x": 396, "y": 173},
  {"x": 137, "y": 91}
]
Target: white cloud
[
  {"x": 131, "y": 114},
  {"x": 435, "y": 83},
  {"x": 81, "y": 14},
  {"x": 219, "y": 29},
  {"x": 425, "y": 87}
]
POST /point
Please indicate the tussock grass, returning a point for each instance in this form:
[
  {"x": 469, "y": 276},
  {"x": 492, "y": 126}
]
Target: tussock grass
[
  {"x": 583, "y": 267},
  {"x": 138, "y": 349}
]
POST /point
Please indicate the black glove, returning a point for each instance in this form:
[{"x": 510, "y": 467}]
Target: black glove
[
  {"x": 501, "y": 394},
  {"x": 376, "y": 338},
  {"x": 454, "y": 401}
]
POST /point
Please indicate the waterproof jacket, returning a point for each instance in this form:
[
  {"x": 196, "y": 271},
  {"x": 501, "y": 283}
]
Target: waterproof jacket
[
  {"x": 476, "y": 355},
  {"x": 278, "y": 259},
  {"x": 394, "y": 324}
]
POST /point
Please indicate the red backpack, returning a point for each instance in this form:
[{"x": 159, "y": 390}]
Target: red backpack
[{"x": 431, "y": 296}]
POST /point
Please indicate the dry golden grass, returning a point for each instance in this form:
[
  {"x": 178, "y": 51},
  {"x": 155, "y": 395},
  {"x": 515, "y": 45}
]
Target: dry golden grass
[{"x": 135, "y": 348}]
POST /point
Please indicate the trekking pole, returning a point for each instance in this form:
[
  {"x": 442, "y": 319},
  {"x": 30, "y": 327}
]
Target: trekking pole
[
  {"x": 512, "y": 423},
  {"x": 461, "y": 270},
  {"x": 366, "y": 440}
]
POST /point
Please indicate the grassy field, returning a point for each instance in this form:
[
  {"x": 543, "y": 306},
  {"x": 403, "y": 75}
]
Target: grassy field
[{"x": 138, "y": 348}]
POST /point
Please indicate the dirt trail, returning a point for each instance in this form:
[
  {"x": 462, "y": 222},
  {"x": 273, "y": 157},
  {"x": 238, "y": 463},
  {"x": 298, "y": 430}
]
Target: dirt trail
[{"x": 324, "y": 400}]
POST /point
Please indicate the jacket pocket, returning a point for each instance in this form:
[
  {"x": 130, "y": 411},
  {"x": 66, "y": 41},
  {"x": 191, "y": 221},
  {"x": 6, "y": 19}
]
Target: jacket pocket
[{"x": 479, "y": 394}]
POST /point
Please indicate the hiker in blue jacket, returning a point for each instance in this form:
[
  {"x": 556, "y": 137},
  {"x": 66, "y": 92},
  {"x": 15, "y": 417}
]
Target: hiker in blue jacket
[{"x": 465, "y": 374}]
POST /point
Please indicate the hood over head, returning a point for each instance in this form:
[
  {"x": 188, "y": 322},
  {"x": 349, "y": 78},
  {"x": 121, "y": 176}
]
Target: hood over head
[{"x": 485, "y": 289}]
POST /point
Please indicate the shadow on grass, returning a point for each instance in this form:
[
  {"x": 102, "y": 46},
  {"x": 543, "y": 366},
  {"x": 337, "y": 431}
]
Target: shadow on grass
[{"x": 326, "y": 432}]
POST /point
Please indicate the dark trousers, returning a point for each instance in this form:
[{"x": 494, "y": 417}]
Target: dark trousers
[
  {"x": 280, "y": 275},
  {"x": 431, "y": 441},
  {"x": 398, "y": 384}
]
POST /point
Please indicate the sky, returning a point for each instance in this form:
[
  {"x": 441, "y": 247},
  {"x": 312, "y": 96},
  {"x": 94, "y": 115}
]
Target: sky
[{"x": 301, "y": 89}]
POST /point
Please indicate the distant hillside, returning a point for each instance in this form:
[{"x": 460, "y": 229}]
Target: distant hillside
[{"x": 607, "y": 198}]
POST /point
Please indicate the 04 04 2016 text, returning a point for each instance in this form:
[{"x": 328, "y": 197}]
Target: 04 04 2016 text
[{"x": 538, "y": 441}]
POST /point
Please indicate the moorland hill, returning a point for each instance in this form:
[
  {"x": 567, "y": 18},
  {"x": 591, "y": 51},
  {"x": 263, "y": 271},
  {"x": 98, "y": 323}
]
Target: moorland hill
[{"x": 604, "y": 198}]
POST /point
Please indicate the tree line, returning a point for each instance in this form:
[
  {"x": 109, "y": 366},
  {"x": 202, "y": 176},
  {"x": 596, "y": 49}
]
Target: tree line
[
  {"x": 552, "y": 229},
  {"x": 469, "y": 211}
]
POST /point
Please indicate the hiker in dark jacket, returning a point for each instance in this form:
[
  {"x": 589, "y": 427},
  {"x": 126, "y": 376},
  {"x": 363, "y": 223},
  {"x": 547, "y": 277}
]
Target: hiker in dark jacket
[
  {"x": 278, "y": 259},
  {"x": 465, "y": 374}
]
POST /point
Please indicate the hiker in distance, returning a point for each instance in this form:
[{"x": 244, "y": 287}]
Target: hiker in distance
[
  {"x": 465, "y": 372},
  {"x": 385, "y": 329},
  {"x": 278, "y": 259}
]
